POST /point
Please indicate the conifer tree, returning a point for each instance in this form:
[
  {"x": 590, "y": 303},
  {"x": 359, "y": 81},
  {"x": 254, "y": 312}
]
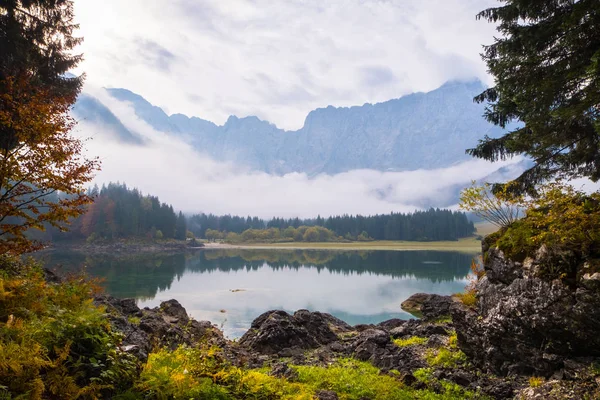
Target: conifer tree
[{"x": 546, "y": 65}]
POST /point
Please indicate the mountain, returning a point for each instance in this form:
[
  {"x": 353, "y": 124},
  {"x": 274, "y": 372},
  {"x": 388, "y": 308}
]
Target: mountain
[
  {"x": 91, "y": 109},
  {"x": 420, "y": 130}
]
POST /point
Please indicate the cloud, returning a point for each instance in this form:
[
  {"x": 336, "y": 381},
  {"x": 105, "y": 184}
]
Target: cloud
[
  {"x": 313, "y": 53},
  {"x": 193, "y": 182},
  {"x": 155, "y": 55},
  {"x": 376, "y": 76}
]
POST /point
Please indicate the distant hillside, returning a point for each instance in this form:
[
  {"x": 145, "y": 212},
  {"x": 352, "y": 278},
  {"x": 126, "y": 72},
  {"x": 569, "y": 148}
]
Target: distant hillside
[{"x": 421, "y": 130}]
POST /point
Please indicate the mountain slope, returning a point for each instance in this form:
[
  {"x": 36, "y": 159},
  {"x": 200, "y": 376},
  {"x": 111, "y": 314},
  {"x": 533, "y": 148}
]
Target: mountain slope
[{"x": 421, "y": 130}]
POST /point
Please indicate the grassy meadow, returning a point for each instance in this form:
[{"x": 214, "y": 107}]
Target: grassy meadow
[{"x": 467, "y": 245}]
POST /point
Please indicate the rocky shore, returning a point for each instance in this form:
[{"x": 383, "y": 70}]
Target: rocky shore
[{"x": 524, "y": 339}]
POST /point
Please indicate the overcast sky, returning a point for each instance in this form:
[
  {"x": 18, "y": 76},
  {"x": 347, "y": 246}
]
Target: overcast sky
[{"x": 279, "y": 59}]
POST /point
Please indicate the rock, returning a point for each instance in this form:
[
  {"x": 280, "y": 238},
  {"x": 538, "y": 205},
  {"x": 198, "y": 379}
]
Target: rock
[
  {"x": 173, "y": 309},
  {"x": 427, "y": 306},
  {"x": 399, "y": 332},
  {"x": 326, "y": 395},
  {"x": 337, "y": 347},
  {"x": 51, "y": 276},
  {"x": 408, "y": 379},
  {"x": 461, "y": 378},
  {"x": 290, "y": 352},
  {"x": 418, "y": 328},
  {"x": 437, "y": 341},
  {"x": 166, "y": 325},
  {"x": 436, "y": 307},
  {"x": 375, "y": 346},
  {"x": 390, "y": 324},
  {"x": 274, "y": 331},
  {"x": 524, "y": 324},
  {"x": 282, "y": 370},
  {"x": 364, "y": 327},
  {"x": 499, "y": 389},
  {"x": 414, "y": 303}
]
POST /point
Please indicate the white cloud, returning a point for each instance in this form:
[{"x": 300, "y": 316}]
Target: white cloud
[
  {"x": 193, "y": 182},
  {"x": 279, "y": 60}
]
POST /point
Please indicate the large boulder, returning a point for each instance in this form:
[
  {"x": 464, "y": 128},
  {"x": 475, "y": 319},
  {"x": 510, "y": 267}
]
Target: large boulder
[
  {"x": 165, "y": 326},
  {"x": 427, "y": 306},
  {"x": 375, "y": 346},
  {"x": 275, "y": 331},
  {"x": 525, "y": 324}
]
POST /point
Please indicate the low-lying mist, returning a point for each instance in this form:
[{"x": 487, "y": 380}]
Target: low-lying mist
[{"x": 168, "y": 167}]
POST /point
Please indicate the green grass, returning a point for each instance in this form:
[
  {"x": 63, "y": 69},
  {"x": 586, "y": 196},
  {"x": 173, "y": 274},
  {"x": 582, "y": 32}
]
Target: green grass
[
  {"x": 446, "y": 357},
  {"x": 444, "y": 319},
  {"x": 410, "y": 341},
  {"x": 465, "y": 245},
  {"x": 451, "y": 390},
  {"x": 196, "y": 373},
  {"x": 353, "y": 380}
]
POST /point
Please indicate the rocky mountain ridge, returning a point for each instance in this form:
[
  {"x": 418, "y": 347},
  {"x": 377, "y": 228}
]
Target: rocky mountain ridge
[{"x": 420, "y": 130}]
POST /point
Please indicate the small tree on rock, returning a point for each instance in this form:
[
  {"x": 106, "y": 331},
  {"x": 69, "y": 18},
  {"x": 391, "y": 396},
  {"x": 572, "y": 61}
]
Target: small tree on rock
[{"x": 500, "y": 208}]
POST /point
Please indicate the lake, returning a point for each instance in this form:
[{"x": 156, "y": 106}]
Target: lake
[{"x": 232, "y": 287}]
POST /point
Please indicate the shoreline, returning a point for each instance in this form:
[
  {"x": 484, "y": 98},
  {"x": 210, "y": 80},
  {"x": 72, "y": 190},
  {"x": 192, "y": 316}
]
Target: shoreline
[
  {"x": 464, "y": 245},
  {"x": 469, "y": 245}
]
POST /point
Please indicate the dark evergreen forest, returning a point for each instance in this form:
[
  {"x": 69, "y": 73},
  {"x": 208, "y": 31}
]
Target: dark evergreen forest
[{"x": 121, "y": 212}]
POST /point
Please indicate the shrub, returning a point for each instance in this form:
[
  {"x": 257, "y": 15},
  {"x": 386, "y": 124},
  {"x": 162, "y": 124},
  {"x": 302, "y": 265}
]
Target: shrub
[
  {"x": 567, "y": 221},
  {"x": 410, "y": 341},
  {"x": 203, "y": 373},
  {"x": 536, "y": 381},
  {"x": 447, "y": 357},
  {"x": 54, "y": 342},
  {"x": 450, "y": 390},
  {"x": 468, "y": 297},
  {"x": 499, "y": 208}
]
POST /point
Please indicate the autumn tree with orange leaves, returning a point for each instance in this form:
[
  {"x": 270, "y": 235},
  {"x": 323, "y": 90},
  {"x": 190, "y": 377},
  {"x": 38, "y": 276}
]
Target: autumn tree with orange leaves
[{"x": 42, "y": 169}]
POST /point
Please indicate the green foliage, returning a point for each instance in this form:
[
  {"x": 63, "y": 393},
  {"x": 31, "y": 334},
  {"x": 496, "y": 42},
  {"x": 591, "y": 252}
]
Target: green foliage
[
  {"x": 202, "y": 372},
  {"x": 468, "y": 297},
  {"x": 364, "y": 237},
  {"x": 121, "y": 212},
  {"x": 450, "y": 390},
  {"x": 430, "y": 225},
  {"x": 213, "y": 235},
  {"x": 410, "y": 341},
  {"x": 93, "y": 238},
  {"x": 181, "y": 227},
  {"x": 54, "y": 342},
  {"x": 497, "y": 208},
  {"x": 536, "y": 381},
  {"x": 446, "y": 357},
  {"x": 352, "y": 379},
  {"x": 275, "y": 235},
  {"x": 444, "y": 319},
  {"x": 546, "y": 65},
  {"x": 566, "y": 220}
]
